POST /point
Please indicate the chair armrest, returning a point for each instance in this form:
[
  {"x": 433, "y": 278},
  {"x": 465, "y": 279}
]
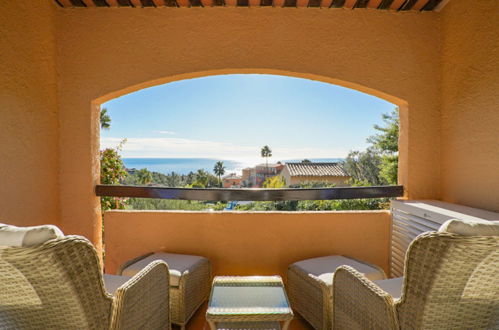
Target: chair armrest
[
  {"x": 131, "y": 262},
  {"x": 143, "y": 301},
  {"x": 358, "y": 303}
]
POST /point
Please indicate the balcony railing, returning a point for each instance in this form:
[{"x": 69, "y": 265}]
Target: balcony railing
[{"x": 249, "y": 194}]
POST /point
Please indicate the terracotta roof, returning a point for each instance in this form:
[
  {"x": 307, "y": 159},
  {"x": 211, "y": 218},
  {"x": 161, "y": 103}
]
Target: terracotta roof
[
  {"x": 316, "y": 169},
  {"x": 398, "y": 5}
]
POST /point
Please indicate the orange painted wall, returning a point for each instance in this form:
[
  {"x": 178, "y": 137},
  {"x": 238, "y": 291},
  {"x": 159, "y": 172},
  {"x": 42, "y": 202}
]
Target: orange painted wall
[
  {"x": 470, "y": 104},
  {"x": 256, "y": 243},
  {"x": 107, "y": 52},
  {"x": 29, "y": 155}
]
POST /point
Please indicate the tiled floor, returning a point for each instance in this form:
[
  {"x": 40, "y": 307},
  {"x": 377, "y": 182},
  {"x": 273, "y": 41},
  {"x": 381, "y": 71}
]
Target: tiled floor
[{"x": 198, "y": 322}]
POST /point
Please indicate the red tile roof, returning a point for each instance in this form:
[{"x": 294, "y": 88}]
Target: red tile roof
[{"x": 316, "y": 169}]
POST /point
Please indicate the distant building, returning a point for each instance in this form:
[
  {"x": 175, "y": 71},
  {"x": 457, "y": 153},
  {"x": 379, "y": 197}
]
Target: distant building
[
  {"x": 255, "y": 176},
  {"x": 249, "y": 177},
  {"x": 232, "y": 181},
  {"x": 296, "y": 173},
  {"x": 264, "y": 171}
]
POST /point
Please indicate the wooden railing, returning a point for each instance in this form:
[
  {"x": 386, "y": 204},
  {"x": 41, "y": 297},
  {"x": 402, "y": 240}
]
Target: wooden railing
[{"x": 249, "y": 194}]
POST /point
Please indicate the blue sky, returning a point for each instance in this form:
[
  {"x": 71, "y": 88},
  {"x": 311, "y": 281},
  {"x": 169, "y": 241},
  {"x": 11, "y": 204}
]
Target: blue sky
[{"x": 233, "y": 116}]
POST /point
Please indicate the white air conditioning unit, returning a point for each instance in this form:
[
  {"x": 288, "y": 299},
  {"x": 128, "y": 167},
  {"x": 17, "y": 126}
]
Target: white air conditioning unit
[{"x": 413, "y": 217}]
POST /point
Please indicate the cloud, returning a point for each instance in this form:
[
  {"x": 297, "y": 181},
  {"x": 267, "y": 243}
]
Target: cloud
[
  {"x": 166, "y": 132},
  {"x": 190, "y": 148}
]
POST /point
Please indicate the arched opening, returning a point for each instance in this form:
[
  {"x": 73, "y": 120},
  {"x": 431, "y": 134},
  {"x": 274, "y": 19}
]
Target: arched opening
[
  {"x": 275, "y": 73},
  {"x": 364, "y": 89},
  {"x": 93, "y": 143}
]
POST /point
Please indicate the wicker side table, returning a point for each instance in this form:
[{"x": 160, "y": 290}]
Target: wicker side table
[{"x": 248, "y": 302}]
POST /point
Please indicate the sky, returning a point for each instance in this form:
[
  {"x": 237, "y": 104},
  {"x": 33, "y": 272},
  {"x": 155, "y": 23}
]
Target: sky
[{"x": 233, "y": 116}]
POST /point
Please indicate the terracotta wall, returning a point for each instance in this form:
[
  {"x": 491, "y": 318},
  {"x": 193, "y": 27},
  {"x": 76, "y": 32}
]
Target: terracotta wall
[
  {"x": 470, "y": 104},
  {"x": 259, "y": 243},
  {"x": 106, "y": 52},
  {"x": 29, "y": 164}
]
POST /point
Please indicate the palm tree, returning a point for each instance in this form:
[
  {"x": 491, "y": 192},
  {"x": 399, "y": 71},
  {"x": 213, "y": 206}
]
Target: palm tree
[
  {"x": 266, "y": 152},
  {"x": 144, "y": 176},
  {"x": 105, "y": 119},
  {"x": 201, "y": 178},
  {"x": 219, "y": 170}
]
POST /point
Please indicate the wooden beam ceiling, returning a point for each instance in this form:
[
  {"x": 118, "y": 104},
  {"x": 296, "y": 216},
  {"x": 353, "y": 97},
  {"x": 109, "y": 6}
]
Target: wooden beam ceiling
[{"x": 395, "y": 5}]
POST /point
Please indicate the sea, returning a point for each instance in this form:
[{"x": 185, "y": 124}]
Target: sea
[{"x": 186, "y": 165}]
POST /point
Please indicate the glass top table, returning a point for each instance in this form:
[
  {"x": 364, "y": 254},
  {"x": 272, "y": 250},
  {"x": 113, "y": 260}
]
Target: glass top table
[{"x": 248, "y": 302}]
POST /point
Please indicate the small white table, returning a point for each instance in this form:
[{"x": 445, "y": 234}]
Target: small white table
[{"x": 248, "y": 302}]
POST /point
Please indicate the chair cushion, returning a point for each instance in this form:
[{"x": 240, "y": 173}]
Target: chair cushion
[
  {"x": 27, "y": 236},
  {"x": 324, "y": 268},
  {"x": 113, "y": 282},
  {"x": 178, "y": 264},
  {"x": 470, "y": 227},
  {"x": 393, "y": 286}
]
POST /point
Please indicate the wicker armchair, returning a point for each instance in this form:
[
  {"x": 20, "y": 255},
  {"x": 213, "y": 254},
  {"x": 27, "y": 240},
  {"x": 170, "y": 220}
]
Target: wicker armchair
[
  {"x": 59, "y": 285},
  {"x": 450, "y": 282},
  {"x": 310, "y": 285}
]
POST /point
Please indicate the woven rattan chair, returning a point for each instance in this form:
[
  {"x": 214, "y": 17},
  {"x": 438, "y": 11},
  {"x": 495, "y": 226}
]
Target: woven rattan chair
[
  {"x": 450, "y": 282},
  {"x": 59, "y": 285},
  {"x": 309, "y": 286}
]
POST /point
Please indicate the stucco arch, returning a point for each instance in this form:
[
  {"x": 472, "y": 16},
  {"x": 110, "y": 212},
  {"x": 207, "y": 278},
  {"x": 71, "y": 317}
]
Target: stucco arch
[
  {"x": 278, "y": 72},
  {"x": 143, "y": 48}
]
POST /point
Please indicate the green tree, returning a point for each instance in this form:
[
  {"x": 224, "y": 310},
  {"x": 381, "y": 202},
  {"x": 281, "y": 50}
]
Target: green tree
[
  {"x": 306, "y": 161},
  {"x": 266, "y": 152},
  {"x": 201, "y": 180},
  {"x": 112, "y": 171},
  {"x": 219, "y": 170},
  {"x": 190, "y": 178},
  {"x": 378, "y": 165},
  {"x": 364, "y": 168},
  {"x": 389, "y": 169},
  {"x": 105, "y": 119},
  {"x": 274, "y": 182},
  {"x": 387, "y": 141},
  {"x": 144, "y": 176},
  {"x": 174, "y": 179},
  {"x": 386, "y": 144}
]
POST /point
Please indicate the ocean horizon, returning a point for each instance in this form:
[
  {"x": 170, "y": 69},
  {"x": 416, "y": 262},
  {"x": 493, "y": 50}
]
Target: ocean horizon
[{"x": 186, "y": 165}]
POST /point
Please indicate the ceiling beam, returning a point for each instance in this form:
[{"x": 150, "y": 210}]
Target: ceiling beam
[
  {"x": 374, "y": 4},
  {"x": 420, "y": 4},
  {"x": 441, "y": 5},
  {"x": 349, "y": 4},
  {"x": 66, "y": 3},
  {"x": 396, "y": 4},
  {"x": 89, "y": 3},
  {"x": 301, "y": 3}
]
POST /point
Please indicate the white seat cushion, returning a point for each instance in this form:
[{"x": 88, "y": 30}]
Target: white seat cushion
[
  {"x": 113, "y": 282},
  {"x": 324, "y": 268},
  {"x": 27, "y": 236},
  {"x": 178, "y": 264},
  {"x": 393, "y": 286},
  {"x": 470, "y": 227}
]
